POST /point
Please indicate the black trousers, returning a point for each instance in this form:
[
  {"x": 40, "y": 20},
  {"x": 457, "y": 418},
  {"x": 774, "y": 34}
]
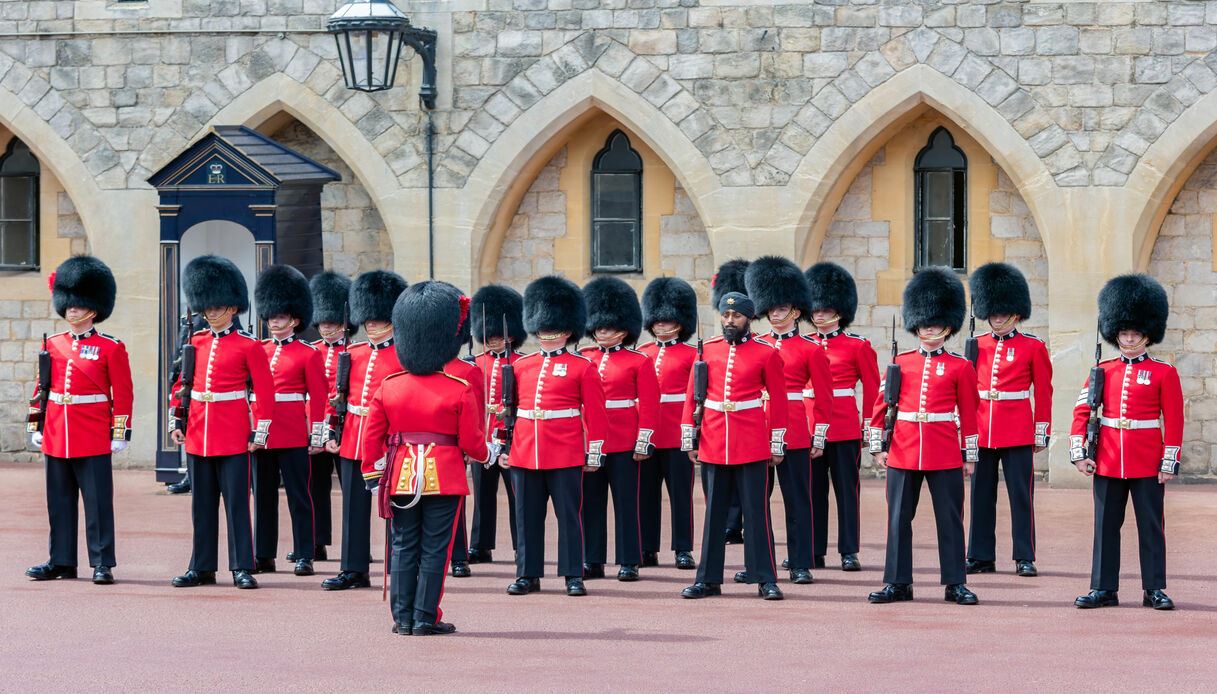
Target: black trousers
[
  {"x": 295, "y": 468},
  {"x": 534, "y": 490},
  {"x": 1110, "y": 501},
  {"x": 421, "y": 547},
  {"x": 90, "y": 478},
  {"x": 735, "y": 513},
  {"x": 321, "y": 487},
  {"x": 752, "y": 482},
  {"x": 356, "y": 517},
  {"x": 621, "y": 475},
  {"x": 671, "y": 467},
  {"x": 212, "y": 477},
  {"x": 794, "y": 477},
  {"x": 840, "y": 463},
  {"x": 946, "y": 493},
  {"x": 1019, "y": 467},
  {"x": 460, "y": 541},
  {"x": 486, "y": 506}
]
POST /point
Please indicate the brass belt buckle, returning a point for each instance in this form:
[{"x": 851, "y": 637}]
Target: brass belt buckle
[
  {"x": 923, "y": 416},
  {"x": 1125, "y": 423},
  {"x": 728, "y": 406},
  {"x": 207, "y": 396},
  {"x": 538, "y": 415},
  {"x": 65, "y": 399},
  {"x": 493, "y": 408}
]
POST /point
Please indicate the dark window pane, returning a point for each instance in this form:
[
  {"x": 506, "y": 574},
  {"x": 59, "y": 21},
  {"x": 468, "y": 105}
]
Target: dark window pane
[
  {"x": 937, "y": 243},
  {"x": 961, "y": 219},
  {"x": 17, "y": 246},
  {"x": 16, "y": 197},
  {"x": 615, "y": 245},
  {"x": 938, "y": 194},
  {"x": 616, "y": 196}
]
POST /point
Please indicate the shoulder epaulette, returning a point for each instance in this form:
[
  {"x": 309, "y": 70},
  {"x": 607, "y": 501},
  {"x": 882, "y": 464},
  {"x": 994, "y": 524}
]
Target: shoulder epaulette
[
  {"x": 580, "y": 356},
  {"x": 957, "y": 355},
  {"x": 1162, "y": 361},
  {"x": 353, "y": 345},
  {"x": 308, "y": 344},
  {"x": 635, "y": 351},
  {"x": 200, "y": 332},
  {"x": 527, "y": 356},
  {"x": 648, "y": 343},
  {"x": 245, "y": 334},
  {"x": 61, "y": 332},
  {"x": 907, "y": 351},
  {"x": 1108, "y": 361},
  {"x": 111, "y": 338},
  {"x": 581, "y": 350},
  {"x": 856, "y": 336},
  {"x": 458, "y": 379},
  {"x": 763, "y": 341}
]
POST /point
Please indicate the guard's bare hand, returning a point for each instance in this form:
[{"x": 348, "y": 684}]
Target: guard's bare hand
[
  {"x": 1164, "y": 477},
  {"x": 1085, "y": 466},
  {"x": 504, "y": 461},
  {"x": 331, "y": 446},
  {"x": 816, "y": 452},
  {"x": 314, "y": 450},
  {"x": 776, "y": 460},
  {"x": 1040, "y": 449},
  {"x": 968, "y": 470},
  {"x": 693, "y": 456},
  {"x": 178, "y": 437},
  {"x": 640, "y": 457},
  {"x": 255, "y": 447},
  {"x": 881, "y": 459},
  {"x": 591, "y": 468}
]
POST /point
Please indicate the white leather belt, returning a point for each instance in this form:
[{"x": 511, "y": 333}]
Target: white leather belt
[
  {"x": 799, "y": 395},
  {"x": 672, "y": 397},
  {"x": 729, "y": 406},
  {"x": 619, "y": 404},
  {"x": 842, "y": 392},
  {"x": 208, "y": 396},
  {"x": 925, "y": 416},
  {"x": 541, "y": 415},
  {"x": 282, "y": 397},
  {"x": 1004, "y": 394},
  {"x": 1129, "y": 423},
  {"x": 69, "y": 399},
  {"x": 357, "y": 410}
]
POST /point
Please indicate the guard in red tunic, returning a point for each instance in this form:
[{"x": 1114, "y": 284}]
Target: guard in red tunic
[
  {"x": 372, "y": 297},
  {"x": 781, "y": 293},
  {"x": 298, "y": 423},
  {"x": 559, "y": 433},
  {"x": 82, "y": 418},
  {"x": 497, "y": 319},
  {"x": 739, "y": 441},
  {"x": 1139, "y": 427},
  {"x": 852, "y": 361},
  {"x": 422, "y": 426},
  {"x": 631, "y": 396},
  {"x": 669, "y": 313},
  {"x": 935, "y": 414},
  {"x": 330, "y": 292},
  {"x": 224, "y": 424},
  {"x": 1014, "y": 375}
]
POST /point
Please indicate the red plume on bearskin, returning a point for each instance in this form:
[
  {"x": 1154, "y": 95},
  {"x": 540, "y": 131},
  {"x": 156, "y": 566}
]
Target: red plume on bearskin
[
  {"x": 464, "y": 312},
  {"x": 50, "y": 281}
]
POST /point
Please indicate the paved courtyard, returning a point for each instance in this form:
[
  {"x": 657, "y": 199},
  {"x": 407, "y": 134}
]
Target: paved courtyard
[{"x": 141, "y": 634}]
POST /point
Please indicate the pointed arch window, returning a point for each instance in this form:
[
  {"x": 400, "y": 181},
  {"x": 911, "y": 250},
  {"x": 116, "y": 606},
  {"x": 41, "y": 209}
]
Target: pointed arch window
[
  {"x": 941, "y": 194},
  {"x": 18, "y": 208},
  {"x": 617, "y": 207}
]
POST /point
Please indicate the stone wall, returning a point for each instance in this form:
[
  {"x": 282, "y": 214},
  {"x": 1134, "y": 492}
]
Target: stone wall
[
  {"x": 1183, "y": 261},
  {"x": 352, "y": 233}
]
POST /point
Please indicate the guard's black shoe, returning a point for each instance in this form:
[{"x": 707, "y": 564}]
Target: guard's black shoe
[
  {"x": 785, "y": 563},
  {"x": 650, "y": 559},
  {"x": 817, "y": 562},
  {"x": 627, "y": 573},
  {"x": 960, "y": 595},
  {"x": 402, "y": 629},
  {"x": 182, "y": 487},
  {"x": 244, "y": 580},
  {"x": 265, "y": 566},
  {"x": 701, "y": 590},
  {"x": 1026, "y": 569},
  {"x": 593, "y": 571},
  {"x": 801, "y": 576},
  {"x": 102, "y": 576},
  {"x": 891, "y": 593},
  {"x": 304, "y": 567},
  {"x": 1158, "y": 600},
  {"x": 347, "y": 579},
  {"x": 849, "y": 562},
  {"x": 291, "y": 556},
  {"x": 479, "y": 556},
  {"x": 437, "y": 629},
  {"x": 769, "y": 591},
  {"x": 192, "y": 579},
  {"x": 460, "y": 569},
  {"x": 684, "y": 560},
  {"x": 50, "y": 572},
  {"x": 524, "y": 586},
  {"x": 574, "y": 586},
  {"x": 1097, "y": 598},
  {"x": 320, "y": 553},
  {"x": 735, "y": 537},
  {"x": 979, "y": 566},
  {"x": 741, "y": 577}
]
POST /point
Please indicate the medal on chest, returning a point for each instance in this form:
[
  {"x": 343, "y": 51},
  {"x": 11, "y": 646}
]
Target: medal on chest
[
  {"x": 92, "y": 352},
  {"x": 940, "y": 369},
  {"x": 559, "y": 370},
  {"x": 1010, "y": 354},
  {"x": 1142, "y": 377}
]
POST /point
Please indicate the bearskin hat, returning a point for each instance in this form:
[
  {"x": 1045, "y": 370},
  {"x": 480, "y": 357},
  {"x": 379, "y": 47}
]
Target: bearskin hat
[
  {"x": 373, "y": 295},
  {"x": 729, "y": 278},
  {"x": 282, "y": 289},
  {"x": 330, "y": 292},
  {"x": 428, "y": 320},
  {"x": 833, "y": 288},
  {"x": 934, "y": 297},
  {"x": 997, "y": 289},
  {"x": 214, "y": 282},
  {"x": 495, "y": 306},
  {"x": 772, "y": 281},
  {"x": 555, "y": 304},
  {"x": 611, "y": 303},
  {"x": 84, "y": 282},
  {"x": 1133, "y": 302},
  {"x": 670, "y": 299}
]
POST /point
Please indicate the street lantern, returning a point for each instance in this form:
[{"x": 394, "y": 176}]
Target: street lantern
[{"x": 370, "y": 35}]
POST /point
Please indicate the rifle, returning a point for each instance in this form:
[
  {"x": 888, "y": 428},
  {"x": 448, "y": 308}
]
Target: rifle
[
  {"x": 701, "y": 389},
  {"x": 891, "y": 394},
  {"x": 971, "y": 347},
  {"x": 185, "y": 367},
  {"x": 511, "y": 399},
  {"x": 1094, "y": 401},
  {"x": 37, "y": 415},
  {"x": 342, "y": 382}
]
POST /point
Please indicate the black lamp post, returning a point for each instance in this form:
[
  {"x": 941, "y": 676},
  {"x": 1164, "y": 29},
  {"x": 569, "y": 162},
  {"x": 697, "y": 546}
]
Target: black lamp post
[{"x": 370, "y": 34}]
